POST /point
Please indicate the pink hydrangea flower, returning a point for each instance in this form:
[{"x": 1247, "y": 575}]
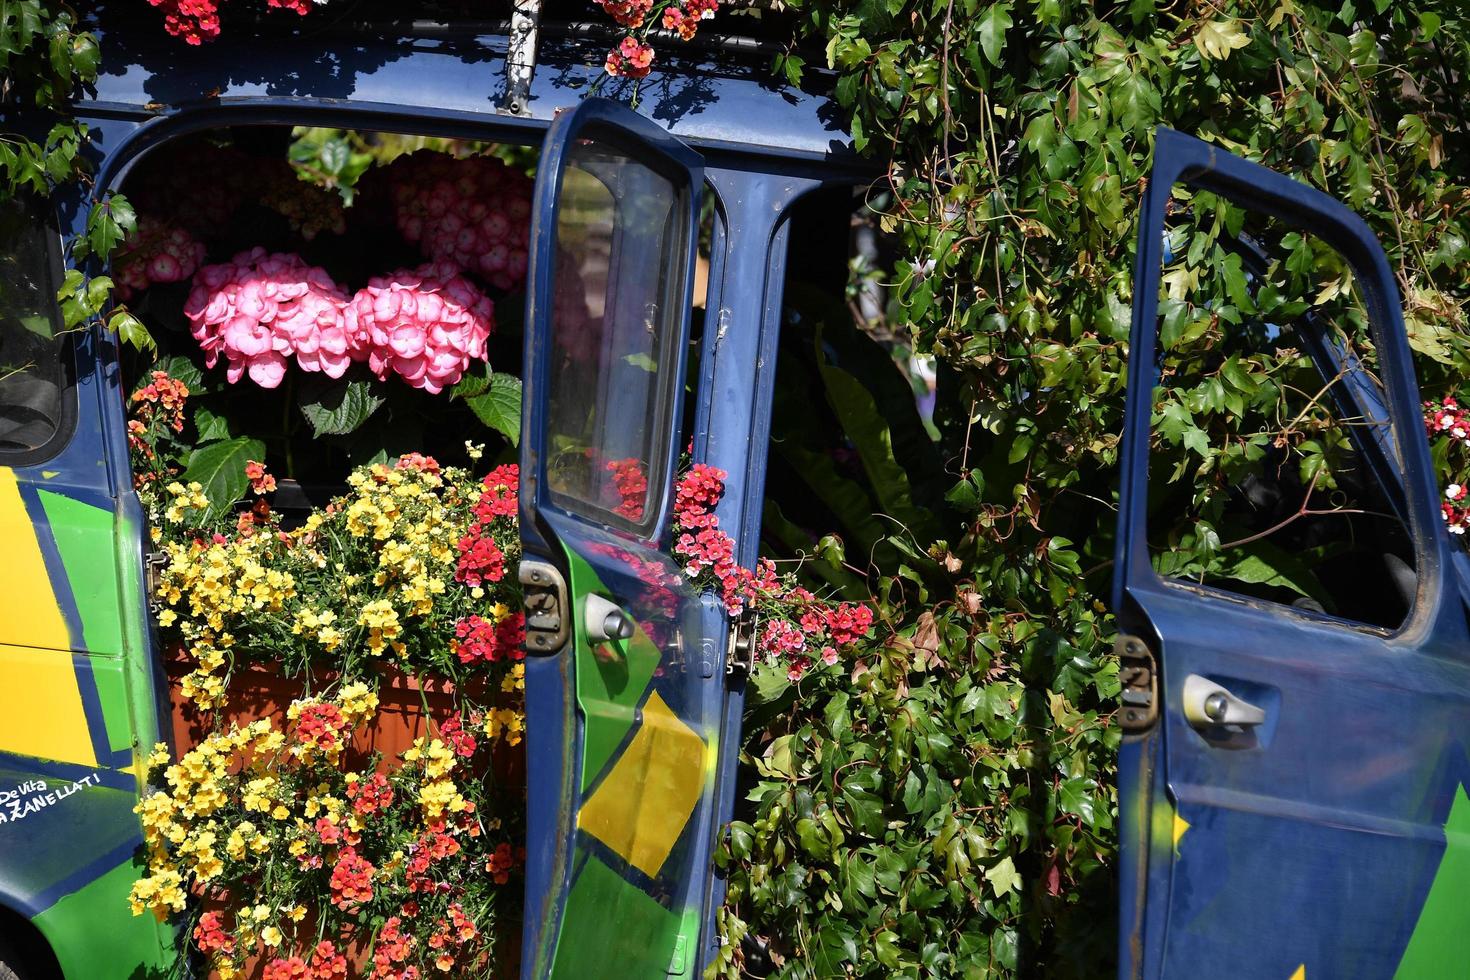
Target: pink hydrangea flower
[
  {"x": 425, "y": 325},
  {"x": 157, "y": 252},
  {"x": 259, "y": 310},
  {"x": 474, "y": 212}
]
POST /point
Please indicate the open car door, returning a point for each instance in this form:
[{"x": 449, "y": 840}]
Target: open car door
[
  {"x": 620, "y": 682},
  {"x": 1293, "y": 768}
]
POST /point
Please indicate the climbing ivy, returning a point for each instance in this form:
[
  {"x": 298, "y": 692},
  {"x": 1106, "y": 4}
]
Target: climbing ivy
[
  {"x": 949, "y": 808},
  {"x": 45, "y": 59}
]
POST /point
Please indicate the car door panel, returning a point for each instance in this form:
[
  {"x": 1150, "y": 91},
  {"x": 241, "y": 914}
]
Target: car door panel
[
  {"x": 1307, "y": 845},
  {"x": 618, "y": 841}
]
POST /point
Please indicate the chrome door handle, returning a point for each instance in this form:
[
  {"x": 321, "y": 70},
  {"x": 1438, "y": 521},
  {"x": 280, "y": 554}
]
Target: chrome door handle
[
  {"x": 1207, "y": 704},
  {"x": 604, "y": 620}
]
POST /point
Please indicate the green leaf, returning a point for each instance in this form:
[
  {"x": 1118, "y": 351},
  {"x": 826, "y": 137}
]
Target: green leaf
[
  {"x": 1003, "y": 876},
  {"x": 131, "y": 331},
  {"x": 220, "y": 469},
  {"x": 1217, "y": 38},
  {"x": 992, "y": 31},
  {"x": 866, "y": 427},
  {"x": 499, "y": 406},
  {"x": 211, "y": 427},
  {"x": 340, "y": 407}
]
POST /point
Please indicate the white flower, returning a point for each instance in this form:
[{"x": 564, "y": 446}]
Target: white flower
[{"x": 1453, "y": 491}]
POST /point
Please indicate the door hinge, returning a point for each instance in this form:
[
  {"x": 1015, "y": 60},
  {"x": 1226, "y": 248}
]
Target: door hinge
[
  {"x": 740, "y": 651},
  {"x": 1139, "y": 674},
  {"x": 547, "y": 625},
  {"x": 154, "y": 562}
]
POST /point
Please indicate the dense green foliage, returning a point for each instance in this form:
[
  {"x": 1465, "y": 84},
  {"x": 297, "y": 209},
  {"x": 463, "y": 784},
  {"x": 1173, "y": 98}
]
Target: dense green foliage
[
  {"x": 44, "y": 58},
  {"x": 949, "y": 812}
]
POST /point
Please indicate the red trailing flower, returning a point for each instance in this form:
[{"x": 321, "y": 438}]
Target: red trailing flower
[
  {"x": 369, "y": 796},
  {"x": 352, "y": 880},
  {"x": 480, "y": 560}
]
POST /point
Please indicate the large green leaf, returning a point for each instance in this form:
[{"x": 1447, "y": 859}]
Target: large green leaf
[
  {"x": 219, "y": 468},
  {"x": 499, "y": 406},
  {"x": 339, "y": 408},
  {"x": 866, "y": 427}
]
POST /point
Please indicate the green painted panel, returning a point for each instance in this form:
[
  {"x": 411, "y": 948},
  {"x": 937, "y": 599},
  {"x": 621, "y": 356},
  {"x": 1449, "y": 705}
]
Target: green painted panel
[
  {"x": 609, "y": 687},
  {"x": 84, "y": 536},
  {"x": 96, "y": 936},
  {"x": 1440, "y": 936},
  {"x": 609, "y": 921}
]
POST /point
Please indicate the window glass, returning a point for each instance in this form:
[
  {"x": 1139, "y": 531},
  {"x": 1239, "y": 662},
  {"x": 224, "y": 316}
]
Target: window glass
[
  {"x": 1271, "y": 471},
  {"x": 31, "y": 375},
  {"x": 619, "y": 275}
]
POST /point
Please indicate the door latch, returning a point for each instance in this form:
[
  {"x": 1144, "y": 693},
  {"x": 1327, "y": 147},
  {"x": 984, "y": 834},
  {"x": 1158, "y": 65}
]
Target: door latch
[
  {"x": 545, "y": 599},
  {"x": 154, "y": 562},
  {"x": 740, "y": 651},
  {"x": 1139, "y": 674}
]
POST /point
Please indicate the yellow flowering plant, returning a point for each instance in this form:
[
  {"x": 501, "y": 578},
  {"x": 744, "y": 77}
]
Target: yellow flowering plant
[
  {"x": 414, "y": 567},
  {"x": 307, "y": 861}
]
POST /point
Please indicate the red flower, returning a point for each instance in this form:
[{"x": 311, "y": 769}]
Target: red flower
[
  {"x": 370, "y": 796},
  {"x": 454, "y": 735},
  {"x": 285, "y": 969},
  {"x": 631, "y": 485},
  {"x": 417, "y": 461},
  {"x": 321, "y": 726},
  {"x": 500, "y": 864},
  {"x": 480, "y": 560},
  {"x": 210, "y": 935},
  {"x": 501, "y": 496},
  {"x": 260, "y": 481},
  {"x": 352, "y": 880},
  {"x": 475, "y": 639},
  {"x": 326, "y": 962}
]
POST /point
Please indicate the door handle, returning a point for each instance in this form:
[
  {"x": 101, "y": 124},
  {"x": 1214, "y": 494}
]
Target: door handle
[
  {"x": 604, "y": 620},
  {"x": 1207, "y": 704}
]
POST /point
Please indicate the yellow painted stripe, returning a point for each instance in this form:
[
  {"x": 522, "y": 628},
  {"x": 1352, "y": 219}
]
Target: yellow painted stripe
[
  {"x": 1301, "y": 973},
  {"x": 641, "y": 808},
  {"x": 29, "y": 613},
  {"x": 40, "y": 707},
  {"x": 1180, "y": 826}
]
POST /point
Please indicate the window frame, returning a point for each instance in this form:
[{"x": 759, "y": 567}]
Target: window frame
[
  {"x": 66, "y": 347},
  {"x": 661, "y": 461}
]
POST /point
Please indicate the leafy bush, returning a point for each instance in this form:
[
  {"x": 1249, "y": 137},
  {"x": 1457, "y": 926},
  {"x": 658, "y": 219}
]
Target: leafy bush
[{"x": 948, "y": 812}]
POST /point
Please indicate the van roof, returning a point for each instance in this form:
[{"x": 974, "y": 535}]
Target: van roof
[{"x": 720, "y": 97}]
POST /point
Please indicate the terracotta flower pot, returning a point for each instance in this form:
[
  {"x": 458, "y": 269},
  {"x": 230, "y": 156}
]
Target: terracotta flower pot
[{"x": 258, "y": 691}]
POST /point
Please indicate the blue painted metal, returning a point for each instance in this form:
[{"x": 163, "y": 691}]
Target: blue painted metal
[
  {"x": 620, "y": 558},
  {"x": 733, "y": 417},
  {"x": 1315, "y": 844},
  {"x": 455, "y": 78}
]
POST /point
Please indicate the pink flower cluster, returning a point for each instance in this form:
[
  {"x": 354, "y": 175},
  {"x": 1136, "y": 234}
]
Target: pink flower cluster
[
  {"x": 197, "y": 21},
  {"x": 797, "y": 624},
  {"x": 1448, "y": 420},
  {"x": 474, "y": 212},
  {"x": 630, "y": 59},
  {"x": 633, "y": 57},
  {"x": 259, "y": 310},
  {"x": 156, "y": 252},
  {"x": 425, "y": 324}
]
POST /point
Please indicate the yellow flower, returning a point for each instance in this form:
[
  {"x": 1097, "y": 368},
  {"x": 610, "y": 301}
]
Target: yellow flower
[{"x": 271, "y": 936}]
